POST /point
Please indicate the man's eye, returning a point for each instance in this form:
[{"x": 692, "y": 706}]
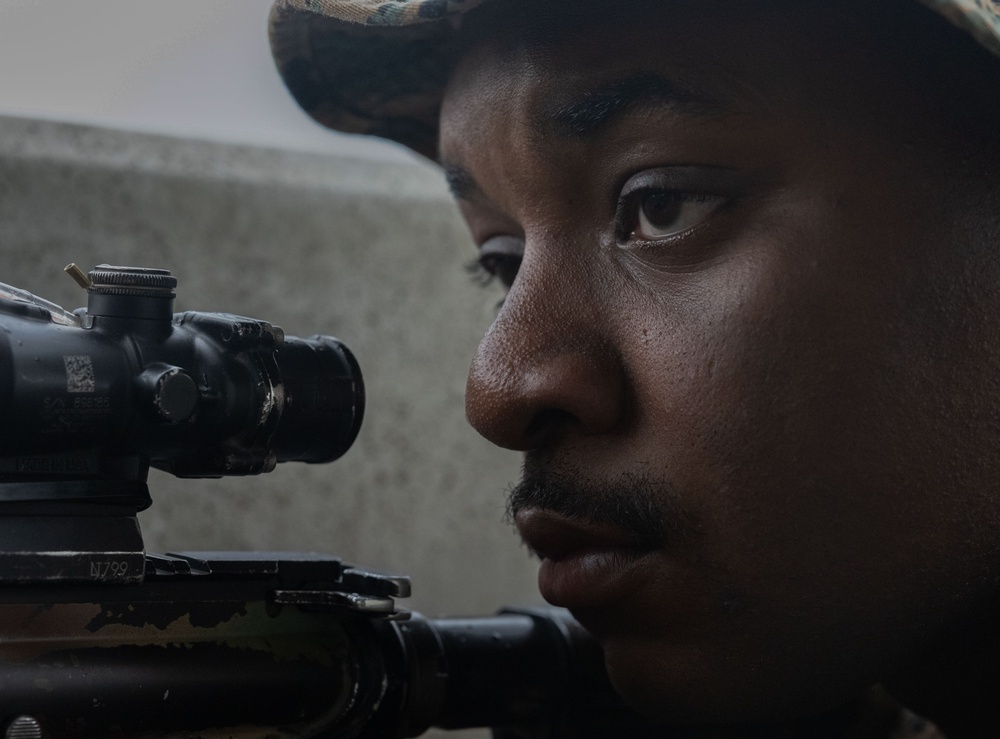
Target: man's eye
[
  {"x": 654, "y": 214},
  {"x": 499, "y": 259}
]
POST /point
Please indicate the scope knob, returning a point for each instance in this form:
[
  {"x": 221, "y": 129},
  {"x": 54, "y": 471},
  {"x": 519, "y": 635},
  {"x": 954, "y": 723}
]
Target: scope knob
[
  {"x": 131, "y": 292},
  {"x": 110, "y": 280},
  {"x": 172, "y": 393}
]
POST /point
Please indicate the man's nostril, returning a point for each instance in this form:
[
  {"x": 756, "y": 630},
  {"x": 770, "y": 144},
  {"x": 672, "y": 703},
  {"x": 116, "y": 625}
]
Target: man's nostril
[{"x": 547, "y": 423}]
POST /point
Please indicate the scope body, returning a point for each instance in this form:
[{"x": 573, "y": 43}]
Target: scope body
[{"x": 196, "y": 394}]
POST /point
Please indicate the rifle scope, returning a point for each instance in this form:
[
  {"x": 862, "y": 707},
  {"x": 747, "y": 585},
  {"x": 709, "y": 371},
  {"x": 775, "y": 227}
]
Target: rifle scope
[
  {"x": 92, "y": 399},
  {"x": 195, "y": 394}
]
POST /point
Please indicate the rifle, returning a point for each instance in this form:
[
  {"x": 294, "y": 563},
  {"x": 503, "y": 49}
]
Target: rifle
[{"x": 99, "y": 638}]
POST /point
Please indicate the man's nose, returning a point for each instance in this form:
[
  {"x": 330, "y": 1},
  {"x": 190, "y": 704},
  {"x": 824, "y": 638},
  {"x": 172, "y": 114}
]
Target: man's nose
[{"x": 547, "y": 367}]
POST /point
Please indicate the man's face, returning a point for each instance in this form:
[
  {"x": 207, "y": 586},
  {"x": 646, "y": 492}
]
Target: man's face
[{"x": 748, "y": 350}]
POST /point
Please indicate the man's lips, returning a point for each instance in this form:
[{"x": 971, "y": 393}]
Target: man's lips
[
  {"x": 554, "y": 536},
  {"x": 584, "y": 563}
]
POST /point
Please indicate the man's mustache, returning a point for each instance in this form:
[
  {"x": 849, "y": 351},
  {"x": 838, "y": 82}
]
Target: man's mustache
[{"x": 648, "y": 510}]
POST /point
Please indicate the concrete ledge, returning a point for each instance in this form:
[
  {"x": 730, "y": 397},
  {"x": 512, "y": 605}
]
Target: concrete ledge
[{"x": 370, "y": 252}]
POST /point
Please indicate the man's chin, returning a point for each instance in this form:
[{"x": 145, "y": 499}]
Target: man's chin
[
  {"x": 680, "y": 685},
  {"x": 659, "y": 687}
]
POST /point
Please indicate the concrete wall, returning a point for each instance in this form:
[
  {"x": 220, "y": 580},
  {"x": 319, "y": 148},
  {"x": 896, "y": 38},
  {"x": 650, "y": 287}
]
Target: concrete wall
[{"x": 370, "y": 252}]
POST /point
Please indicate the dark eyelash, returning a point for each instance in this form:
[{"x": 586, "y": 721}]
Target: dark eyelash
[
  {"x": 495, "y": 266},
  {"x": 479, "y": 273},
  {"x": 484, "y": 272},
  {"x": 483, "y": 277},
  {"x": 629, "y": 203}
]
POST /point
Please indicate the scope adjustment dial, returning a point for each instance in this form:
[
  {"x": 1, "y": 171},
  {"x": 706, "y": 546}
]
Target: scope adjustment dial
[{"x": 108, "y": 279}]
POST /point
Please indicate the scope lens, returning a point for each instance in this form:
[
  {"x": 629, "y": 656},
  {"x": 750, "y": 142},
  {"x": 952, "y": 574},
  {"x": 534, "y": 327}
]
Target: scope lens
[{"x": 324, "y": 400}]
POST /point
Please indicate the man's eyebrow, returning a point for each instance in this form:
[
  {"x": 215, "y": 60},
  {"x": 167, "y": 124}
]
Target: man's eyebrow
[
  {"x": 592, "y": 110},
  {"x": 460, "y": 181},
  {"x": 595, "y": 109}
]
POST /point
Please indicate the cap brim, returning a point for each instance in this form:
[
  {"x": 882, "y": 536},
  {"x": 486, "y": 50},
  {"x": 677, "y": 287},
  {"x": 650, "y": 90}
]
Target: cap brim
[
  {"x": 380, "y": 68},
  {"x": 383, "y": 81}
]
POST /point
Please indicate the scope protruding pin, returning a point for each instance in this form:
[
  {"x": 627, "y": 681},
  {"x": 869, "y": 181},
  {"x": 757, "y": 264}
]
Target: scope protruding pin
[{"x": 79, "y": 275}]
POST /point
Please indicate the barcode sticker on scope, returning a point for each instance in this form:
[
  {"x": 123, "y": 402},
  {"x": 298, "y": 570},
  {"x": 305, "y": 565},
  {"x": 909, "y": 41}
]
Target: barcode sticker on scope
[{"x": 79, "y": 373}]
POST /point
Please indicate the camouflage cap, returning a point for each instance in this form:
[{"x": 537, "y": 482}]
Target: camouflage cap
[{"x": 379, "y": 67}]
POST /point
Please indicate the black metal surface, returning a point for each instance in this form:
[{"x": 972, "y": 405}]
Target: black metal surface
[
  {"x": 199, "y": 646},
  {"x": 127, "y": 690}
]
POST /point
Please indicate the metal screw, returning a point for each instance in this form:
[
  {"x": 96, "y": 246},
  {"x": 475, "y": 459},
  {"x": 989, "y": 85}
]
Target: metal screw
[{"x": 24, "y": 727}]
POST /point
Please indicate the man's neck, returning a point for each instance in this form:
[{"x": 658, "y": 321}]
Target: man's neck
[
  {"x": 873, "y": 716},
  {"x": 955, "y": 684}
]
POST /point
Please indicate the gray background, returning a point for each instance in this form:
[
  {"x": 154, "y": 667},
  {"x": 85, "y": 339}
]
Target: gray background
[
  {"x": 188, "y": 68},
  {"x": 371, "y": 251}
]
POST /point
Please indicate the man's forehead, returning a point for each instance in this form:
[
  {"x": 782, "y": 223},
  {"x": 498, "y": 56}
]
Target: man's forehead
[
  {"x": 750, "y": 66},
  {"x": 585, "y": 113},
  {"x": 698, "y": 56},
  {"x": 577, "y": 85}
]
